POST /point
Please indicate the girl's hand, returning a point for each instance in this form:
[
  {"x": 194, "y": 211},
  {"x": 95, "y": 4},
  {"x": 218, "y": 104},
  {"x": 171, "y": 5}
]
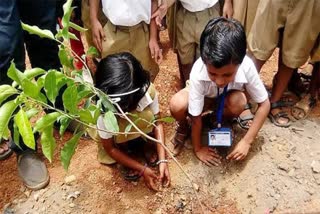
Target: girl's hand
[
  {"x": 160, "y": 13},
  {"x": 227, "y": 11},
  {"x": 240, "y": 151},
  {"x": 150, "y": 178},
  {"x": 156, "y": 52},
  {"x": 164, "y": 174}
]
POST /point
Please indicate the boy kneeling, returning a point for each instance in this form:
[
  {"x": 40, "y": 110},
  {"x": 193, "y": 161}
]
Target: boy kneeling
[{"x": 224, "y": 69}]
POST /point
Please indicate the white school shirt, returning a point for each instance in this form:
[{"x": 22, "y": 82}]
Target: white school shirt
[
  {"x": 246, "y": 78},
  {"x": 146, "y": 101},
  {"x": 127, "y": 12},
  {"x": 197, "y": 5}
]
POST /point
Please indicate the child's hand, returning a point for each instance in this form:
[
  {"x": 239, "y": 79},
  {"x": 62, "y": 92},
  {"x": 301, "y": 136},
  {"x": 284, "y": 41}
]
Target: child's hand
[
  {"x": 164, "y": 174},
  {"x": 227, "y": 11},
  {"x": 160, "y": 13},
  {"x": 156, "y": 52},
  {"x": 209, "y": 156},
  {"x": 97, "y": 35},
  {"x": 149, "y": 178},
  {"x": 240, "y": 151}
]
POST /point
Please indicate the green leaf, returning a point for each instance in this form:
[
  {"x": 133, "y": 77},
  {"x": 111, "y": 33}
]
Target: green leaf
[
  {"x": 68, "y": 150},
  {"x": 37, "y": 31},
  {"x": 64, "y": 58},
  {"x": 16, "y": 135},
  {"x": 31, "y": 112},
  {"x": 92, "y": 51},
  {"x": 31, "y": 89},
  {"x": 24, "y": 126},
  {"x": 6, "y": 110},
  {"x": 77, "y": 27},
  {"x": 46, "y": 121},
  {"x": 64, "y": 123},
  {"x": 72, "y": 36},
  {"x": 166, "y": 120},
  {"x": 106, "y": 102},
  {"x": 110, "y": 122},
  {"x": 50, "y": 86},
  {"x": 67, "y": 10},
  {"x": 48, "y": 142},
  {"x": 85, "y": 116},
  {"x": 69, "y": 98},
  {"x": 6, "y": 91},
  {"x": 30, "y": 74}
]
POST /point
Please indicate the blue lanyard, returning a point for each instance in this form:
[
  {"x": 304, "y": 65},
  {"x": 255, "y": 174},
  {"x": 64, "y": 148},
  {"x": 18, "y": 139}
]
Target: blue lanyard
[{"x": 221, "y": 105}]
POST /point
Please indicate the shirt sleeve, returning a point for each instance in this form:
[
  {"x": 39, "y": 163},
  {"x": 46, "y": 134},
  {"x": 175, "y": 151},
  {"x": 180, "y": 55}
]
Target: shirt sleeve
[
  {"x": 101, "y": 126},
  {"x": 255, "y": 87},
  {"x": 196, "y": 98},
  {"x": 154, "y": 106}
]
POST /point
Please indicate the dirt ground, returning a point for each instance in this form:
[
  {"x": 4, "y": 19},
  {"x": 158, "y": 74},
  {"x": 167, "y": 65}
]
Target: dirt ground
[{"x": 280, "y": 175}]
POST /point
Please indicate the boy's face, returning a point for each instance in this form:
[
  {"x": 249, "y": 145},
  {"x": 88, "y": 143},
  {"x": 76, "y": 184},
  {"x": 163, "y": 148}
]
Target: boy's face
[{"x": 222, "y": 76}]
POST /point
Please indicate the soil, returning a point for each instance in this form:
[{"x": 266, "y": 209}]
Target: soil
[{"x": 280, "y": 175}]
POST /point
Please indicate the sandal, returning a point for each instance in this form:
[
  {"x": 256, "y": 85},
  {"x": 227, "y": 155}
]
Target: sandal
[
  {"x": 302, "y": 108},
  {"x": 274, "y": 118},
  {"x": 243, "y": 121},
  {"x": 180, "y": 137},
  {"x": 6, "y": 152}
]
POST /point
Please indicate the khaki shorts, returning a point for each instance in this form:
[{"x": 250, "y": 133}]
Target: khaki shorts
[
  {"x": 85, "y": 17},
  {"x": 300, "y": 20},
  {"x": 189, "y": 28},
  {"x": 315, "y": 53},
  {"x": 134, "y": 40},
  {"x": 245, "y": 12}
]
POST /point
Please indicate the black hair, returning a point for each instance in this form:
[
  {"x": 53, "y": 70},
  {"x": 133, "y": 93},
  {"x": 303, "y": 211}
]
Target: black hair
[
  {"x": 223, "y": 41},
  {"x": 120, "y": 73}
]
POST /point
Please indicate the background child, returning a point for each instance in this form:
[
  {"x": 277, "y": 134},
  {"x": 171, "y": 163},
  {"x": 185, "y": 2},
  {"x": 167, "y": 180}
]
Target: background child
[
  {"x": 129, "y": 28},
  {"x": 300, "y": 32},
  {"x": 222, "y": 64},
  {"x": 122, "y": 73}
]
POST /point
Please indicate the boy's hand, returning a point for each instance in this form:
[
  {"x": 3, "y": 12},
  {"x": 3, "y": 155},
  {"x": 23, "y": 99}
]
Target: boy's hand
[
  {"x": 149, "y": 178},
  {"x": 209, "y": 156},
  {"x": 164, "y": 174},
  {"x": 160, "y": 13},
  {"x": 227, "y": 11},
  {"x": 240, "y": 151},
  {"x": 98, "y": 35},
  {"x": 156, "y": 52}
]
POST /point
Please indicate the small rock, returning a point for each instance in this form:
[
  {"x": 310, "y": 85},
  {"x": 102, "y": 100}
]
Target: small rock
[
  {"x": 23, "y": 189},
  {"x": 114, "y": 183},
  {"x": 15, "y": 201},
  {"x": 68, "y": 211},
  {"x": 127, "y": 207},
  {"x": 283, "y": 167},
  {"x": 315, "y": 165},
  {"x": 310, "y": 191},
  {"x": 183, "y": 197},
  {"x": 73, "y": 195},
  {"x": 146, "y": 197},
  {"x": 273, "y": 138},
  {"x": 42, "y": 200},
  {"x": 72, "y": 205},
  {"x": 43, "y": 209},
  {"x": 69, "y": 179},
  {"x": 27, "y": 193},
  {"x": 135, "y": 183},
  {"x": 291, "y": 172},
  {"x": 196, "y": 187},
  {"x": 118, "y": 190}
]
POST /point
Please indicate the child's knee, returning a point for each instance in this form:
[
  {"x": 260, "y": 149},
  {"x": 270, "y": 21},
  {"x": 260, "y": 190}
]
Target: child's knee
[
  {"x": 236, "y": 101},
  {"x": 179, "y": 105}
]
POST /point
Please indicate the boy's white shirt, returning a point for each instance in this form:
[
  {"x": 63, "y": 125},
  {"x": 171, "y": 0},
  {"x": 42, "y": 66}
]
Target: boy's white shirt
[
  {"x": 146, "y": 101},
  {"x": 127, "y": 12},
  {"x": 197, "y": 5},
  {"x": 246, "y": 78}
]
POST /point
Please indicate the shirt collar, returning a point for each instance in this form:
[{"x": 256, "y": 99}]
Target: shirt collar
[{"x": 239, "y": 78}]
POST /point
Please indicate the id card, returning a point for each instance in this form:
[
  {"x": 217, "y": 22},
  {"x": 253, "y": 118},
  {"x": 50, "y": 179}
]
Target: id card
[{"x": 220, "y": 137}]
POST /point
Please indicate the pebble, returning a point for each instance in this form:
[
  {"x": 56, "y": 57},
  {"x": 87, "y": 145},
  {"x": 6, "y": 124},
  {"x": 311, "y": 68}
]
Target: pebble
[
  {"x": 273, "y": 138},
  {"x": 291, "y": 172},
  {"x": 27, "y": 193},
  {"x": 42, "y": 200},
  {"x": 196, "y": 187},
  {"x": 72, "y": 205},
  {"x": 135, "y": 183},
  {"x": 118, "y": 190},
  {"x": 315, "y": 166},
  {"x": 68, "y": 211},
  {"x": 69, "y": 179}
]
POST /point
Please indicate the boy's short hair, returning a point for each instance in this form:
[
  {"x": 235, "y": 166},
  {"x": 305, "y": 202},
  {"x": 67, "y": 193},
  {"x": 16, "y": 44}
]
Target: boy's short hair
[
  {"x": 222, "y": 42},
  {"x": 121, "y": 73}
]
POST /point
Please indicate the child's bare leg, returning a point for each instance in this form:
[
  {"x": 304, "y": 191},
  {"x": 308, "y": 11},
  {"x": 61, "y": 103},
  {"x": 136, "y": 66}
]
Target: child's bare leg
[
  {"x": 235, "y": 103},
  {"x": 315, "y": 80},
  {"x": 283, "y": 77},
  {"x": 185, "y": 70},
  {"x": 179, "y": 110}
]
